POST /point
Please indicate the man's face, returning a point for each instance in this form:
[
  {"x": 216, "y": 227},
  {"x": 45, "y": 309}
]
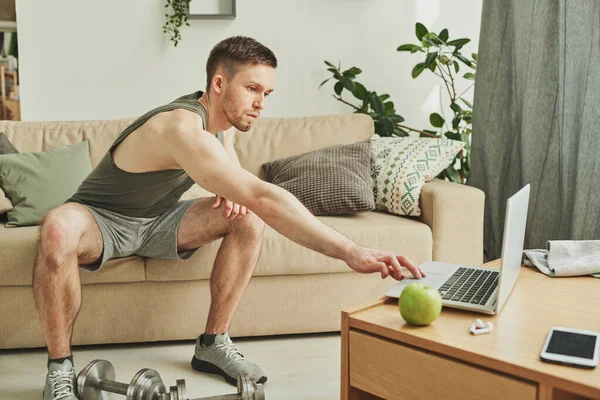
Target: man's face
[{"x": 244, "y": 95}]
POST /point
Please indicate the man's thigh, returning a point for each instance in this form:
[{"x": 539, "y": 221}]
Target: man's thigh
[{"x": 201, "y": 225}]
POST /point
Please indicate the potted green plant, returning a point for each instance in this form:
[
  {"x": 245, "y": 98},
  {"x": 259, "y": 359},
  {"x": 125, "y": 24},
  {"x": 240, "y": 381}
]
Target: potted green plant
[{"x": 442, "y": 57}]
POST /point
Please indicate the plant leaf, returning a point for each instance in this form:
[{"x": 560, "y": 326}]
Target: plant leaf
[
  {"x": 430, "y": 59},
  {"x": 455, "y": 107},
  {"x": 396, "y": 118},
  {"x": 324, "y": 82},
  {"x": 433, "y": 39},
  {"x": 389, "y": 109},
  {"x": 420, "y": 30},
  {"x": 456, "y": 121},
  {"x": 408, "y": 47},
  {"x": 338, "y": 87},
  {"x": 400, "y": 132},
  {"x": 360, "y": 92},
  {"x": 388, "y": 126},
  {"x": 436, "y": 120},
  {"x": 463, "y": 59},
  {"x": 459, "y": 42},
  {"x": 377, "y": 104},
  {"x": 467, "y": 103},
  {"x": 456, "y": 66},
  {"x": 348, "y": 84},
  {"x": 469, "y": 75},
  {"x": 329, "y": 64},
  {"x": 443, "y": 35},
  {"x": 384, "y": 97},
  {"x": 452, "y": 135},
  {"x": 474, "y": 55},
  {"x": 420, "y": 67},
  {"x": 353, "y": 71}
]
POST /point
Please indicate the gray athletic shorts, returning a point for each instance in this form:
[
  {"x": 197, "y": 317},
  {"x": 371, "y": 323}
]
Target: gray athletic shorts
[{"x": 124, "y": 236}]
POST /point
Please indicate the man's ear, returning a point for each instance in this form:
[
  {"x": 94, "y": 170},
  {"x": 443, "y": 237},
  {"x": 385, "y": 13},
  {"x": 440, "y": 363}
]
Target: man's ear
[{"x": 217, "y": 83}]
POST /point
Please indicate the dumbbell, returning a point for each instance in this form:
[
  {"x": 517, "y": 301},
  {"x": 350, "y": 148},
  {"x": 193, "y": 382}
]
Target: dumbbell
[
  {"x": 247, "y": 388},
  {"x": 97, "y": 381}
]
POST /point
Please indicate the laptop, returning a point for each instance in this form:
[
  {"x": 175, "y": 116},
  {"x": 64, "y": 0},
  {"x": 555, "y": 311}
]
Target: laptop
[{"x": 483, "y": 290}]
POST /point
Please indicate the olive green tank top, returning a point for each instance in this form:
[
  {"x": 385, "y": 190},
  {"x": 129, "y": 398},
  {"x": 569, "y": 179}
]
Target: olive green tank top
[{"x": 142, "y": 194}]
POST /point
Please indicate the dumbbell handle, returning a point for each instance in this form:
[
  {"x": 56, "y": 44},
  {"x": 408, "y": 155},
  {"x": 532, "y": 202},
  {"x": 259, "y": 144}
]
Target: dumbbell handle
[{"x": 112, "y": 386}]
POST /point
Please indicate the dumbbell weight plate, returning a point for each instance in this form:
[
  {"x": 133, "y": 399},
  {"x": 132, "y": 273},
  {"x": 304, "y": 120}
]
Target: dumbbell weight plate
[
  {"x": 178, "y": 392},
  {"x": 89, "y": 376},
  {"x": 248, "y": 389},
  {"x": 143, "y": 384}
]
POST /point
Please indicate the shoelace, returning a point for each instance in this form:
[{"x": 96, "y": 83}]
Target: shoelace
[
  {"x": 62, "y": 384},
  {"x": 230, "y": 350}
]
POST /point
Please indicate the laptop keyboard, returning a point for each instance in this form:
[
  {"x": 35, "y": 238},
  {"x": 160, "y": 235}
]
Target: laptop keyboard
[{"x": 468, "y": 285}]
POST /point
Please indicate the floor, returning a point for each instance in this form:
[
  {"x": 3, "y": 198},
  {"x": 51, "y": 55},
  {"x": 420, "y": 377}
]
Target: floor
[{"x": 298, "y": 366}]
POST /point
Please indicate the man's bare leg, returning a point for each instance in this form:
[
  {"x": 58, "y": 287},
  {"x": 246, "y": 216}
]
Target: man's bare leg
[
  {"x": 233, "y": 267},
  {"x": 235, "y": 261},
  {"x": 69, "y": 237}
]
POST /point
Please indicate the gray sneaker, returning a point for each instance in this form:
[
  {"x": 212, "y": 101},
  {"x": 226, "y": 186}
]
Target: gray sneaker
[
  {"x": 60, "y": 382},
  {"x": 224, "y": 359}
]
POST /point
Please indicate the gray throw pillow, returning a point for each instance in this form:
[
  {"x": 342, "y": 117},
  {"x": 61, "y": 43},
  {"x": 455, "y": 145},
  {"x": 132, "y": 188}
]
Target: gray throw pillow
[
  {"x": 334, "y": 180},
  {"x": 6, "y": 147},
  {"x": 39, "y": 181}
]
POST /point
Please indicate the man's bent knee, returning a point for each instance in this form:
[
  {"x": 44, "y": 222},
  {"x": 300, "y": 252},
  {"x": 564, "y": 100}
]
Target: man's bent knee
[
  {"x": 61, "y": 232},
  {"x": 250, "y": 224}
]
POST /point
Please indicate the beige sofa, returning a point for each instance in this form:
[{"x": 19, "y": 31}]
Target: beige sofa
[{"x": 294, "y": 290}]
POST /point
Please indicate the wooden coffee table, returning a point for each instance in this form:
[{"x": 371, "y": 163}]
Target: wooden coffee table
[{"x": 383, "y": 357}]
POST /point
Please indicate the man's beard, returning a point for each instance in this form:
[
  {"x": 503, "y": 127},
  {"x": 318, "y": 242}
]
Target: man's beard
[{"x": 230, "y": 113}]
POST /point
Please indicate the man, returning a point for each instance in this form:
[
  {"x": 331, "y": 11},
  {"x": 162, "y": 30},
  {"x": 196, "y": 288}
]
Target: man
[{"x": 130, "y": 205}]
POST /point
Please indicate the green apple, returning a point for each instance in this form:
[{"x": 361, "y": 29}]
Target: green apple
[{"x": 419, "y": 304}]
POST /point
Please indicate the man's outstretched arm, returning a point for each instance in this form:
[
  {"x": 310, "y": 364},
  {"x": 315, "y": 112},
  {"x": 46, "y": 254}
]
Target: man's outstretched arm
[{"x": 205, "y": 160}]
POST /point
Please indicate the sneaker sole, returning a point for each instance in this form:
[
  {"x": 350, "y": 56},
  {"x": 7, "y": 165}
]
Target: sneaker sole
[{"x": 206, "y": 367}]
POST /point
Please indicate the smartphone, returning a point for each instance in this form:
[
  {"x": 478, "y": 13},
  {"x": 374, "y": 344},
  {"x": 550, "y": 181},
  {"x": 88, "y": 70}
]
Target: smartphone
[{"x": 575, "y": 347}]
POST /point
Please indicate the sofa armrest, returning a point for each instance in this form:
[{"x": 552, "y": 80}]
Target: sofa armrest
[{"x": 454, "y": 212}]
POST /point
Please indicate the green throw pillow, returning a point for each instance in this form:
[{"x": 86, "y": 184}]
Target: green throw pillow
[{"x": 37, "y": 182}]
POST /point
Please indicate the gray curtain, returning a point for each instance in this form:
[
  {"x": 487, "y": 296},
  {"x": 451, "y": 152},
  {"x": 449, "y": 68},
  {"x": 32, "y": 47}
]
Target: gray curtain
[{"x": 536, "y": 117}]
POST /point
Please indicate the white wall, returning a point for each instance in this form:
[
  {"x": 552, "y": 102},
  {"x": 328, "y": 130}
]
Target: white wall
[{"x": 84, "y": 59}]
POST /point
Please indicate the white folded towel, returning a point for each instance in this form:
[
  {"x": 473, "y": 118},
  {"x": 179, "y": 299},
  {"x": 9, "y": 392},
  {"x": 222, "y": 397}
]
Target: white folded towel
[{"x": 566, "y": 258}]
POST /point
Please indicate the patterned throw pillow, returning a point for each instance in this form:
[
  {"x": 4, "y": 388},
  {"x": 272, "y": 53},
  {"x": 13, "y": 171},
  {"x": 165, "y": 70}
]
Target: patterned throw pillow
[
  {"x": 401, "y": 166},
  {"x": 334, "y": 180}
]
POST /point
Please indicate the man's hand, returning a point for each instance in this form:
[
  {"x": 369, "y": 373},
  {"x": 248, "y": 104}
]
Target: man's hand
[
  {"x": 367, "y": 261},
  {"x": 230, "y": 209}
]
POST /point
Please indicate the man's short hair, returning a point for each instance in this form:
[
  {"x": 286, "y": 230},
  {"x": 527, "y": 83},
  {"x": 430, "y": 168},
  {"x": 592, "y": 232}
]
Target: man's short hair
[{"x": 235, "y": 52}]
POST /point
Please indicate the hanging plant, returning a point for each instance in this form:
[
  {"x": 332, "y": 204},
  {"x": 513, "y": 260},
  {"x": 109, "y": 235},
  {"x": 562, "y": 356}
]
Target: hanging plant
[{"x": 177, "y": 18}]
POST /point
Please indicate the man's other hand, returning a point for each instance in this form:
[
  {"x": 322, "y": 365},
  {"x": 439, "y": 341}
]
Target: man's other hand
[{"x": 231, "y": 210}]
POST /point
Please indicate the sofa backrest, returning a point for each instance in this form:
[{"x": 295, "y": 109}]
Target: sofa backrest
[
  {"x": 270, "y": 138},
  {"x": 273, "y": 138},
  {"x": 42, "y": 136}
]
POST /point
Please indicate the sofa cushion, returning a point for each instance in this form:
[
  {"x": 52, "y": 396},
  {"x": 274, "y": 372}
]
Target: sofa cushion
[
  {"x": 18, "y": 251},
  {"x": 36, "y": 182},
  {"x": 281, "y": 256},
  {"x": 335, "y": 180}
]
